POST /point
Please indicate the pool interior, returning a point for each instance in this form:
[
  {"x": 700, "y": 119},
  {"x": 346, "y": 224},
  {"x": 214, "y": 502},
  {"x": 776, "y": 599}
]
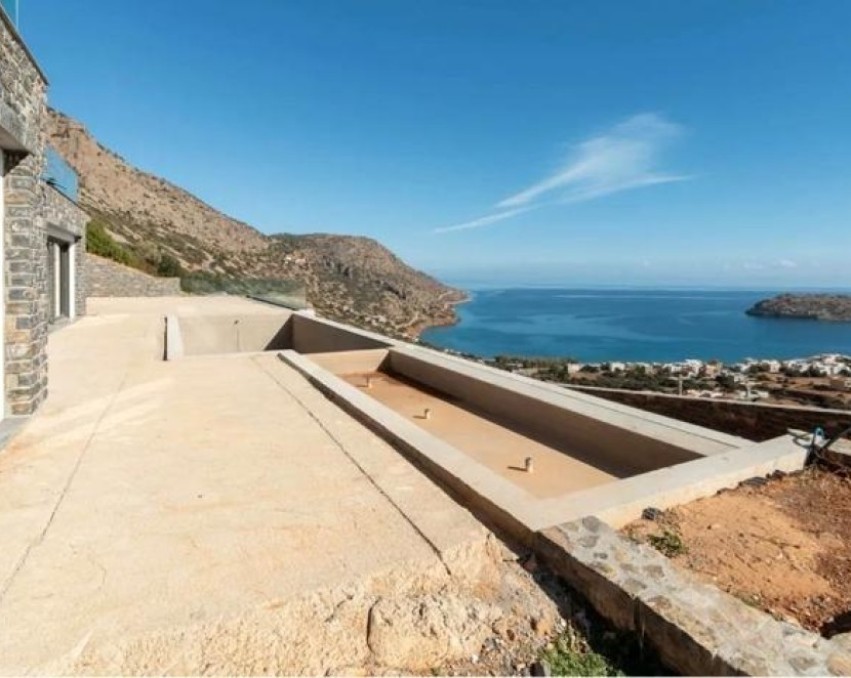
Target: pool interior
[{"x": 500, "y": 445}]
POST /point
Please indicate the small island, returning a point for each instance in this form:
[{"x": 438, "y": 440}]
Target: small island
[{"x": 825, "y": 307}]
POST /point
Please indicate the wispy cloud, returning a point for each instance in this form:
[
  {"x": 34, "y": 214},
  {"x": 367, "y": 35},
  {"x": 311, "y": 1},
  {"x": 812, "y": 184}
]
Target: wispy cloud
[
  {"x": 483, "y": 221},
  {"x": 763, "y": 265},
  {"x": 624, "y": 158}
]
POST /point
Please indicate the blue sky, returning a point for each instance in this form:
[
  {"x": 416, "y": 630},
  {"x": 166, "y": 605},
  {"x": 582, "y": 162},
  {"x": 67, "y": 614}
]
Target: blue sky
[{"x": 687, "y": 143}]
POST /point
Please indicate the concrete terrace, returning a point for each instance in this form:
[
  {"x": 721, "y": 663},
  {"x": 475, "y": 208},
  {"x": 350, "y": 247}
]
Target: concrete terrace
[
  {"x": 250, "y": 506},
  {"x": 151, "y": 510}
]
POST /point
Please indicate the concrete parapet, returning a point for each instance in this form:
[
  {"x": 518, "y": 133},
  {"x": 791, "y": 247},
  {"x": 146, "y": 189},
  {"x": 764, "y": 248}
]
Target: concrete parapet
[
  {"x": 352, "y": 362},
  {"x": 319, "y": 335},
  {"x": 621, "y": 502},
  {"x": 755, "y": 421},
  {"x": 676, "y": 432}
]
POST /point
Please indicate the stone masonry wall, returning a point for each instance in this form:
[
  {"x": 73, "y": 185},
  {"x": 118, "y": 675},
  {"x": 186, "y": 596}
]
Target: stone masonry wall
[
  {"x": 81, "y": 292},
  {"x": 23, "y": 92},
  {"x": 755, "y": 421},
  {"x": 61, "y": 211},
  {"x": 22, "y": 114},
  {"x": 107, "y": 278}
]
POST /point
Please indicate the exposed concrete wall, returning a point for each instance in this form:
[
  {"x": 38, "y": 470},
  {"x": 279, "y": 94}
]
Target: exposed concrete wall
[
  {"x": 351, "y": 362},
  {"x": 622, "y": 502},
  {"x": 616, "y": 450},
  {"x": 312, "y": 335},
  {"x": 755, "y": 421},
  {"x": 107, "y": 278},
  {"x": 203, "y": 335},
  {"x": 23, "y": 92}
]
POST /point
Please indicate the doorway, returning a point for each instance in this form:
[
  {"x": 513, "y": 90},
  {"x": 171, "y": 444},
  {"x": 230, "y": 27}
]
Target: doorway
[{"x": 60, "y": 279}]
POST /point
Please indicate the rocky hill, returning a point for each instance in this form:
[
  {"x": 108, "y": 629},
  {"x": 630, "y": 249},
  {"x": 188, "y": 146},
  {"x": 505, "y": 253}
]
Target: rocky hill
[
  {"x": 828, "y": 307},
  {"x": 353, "y": 279}
]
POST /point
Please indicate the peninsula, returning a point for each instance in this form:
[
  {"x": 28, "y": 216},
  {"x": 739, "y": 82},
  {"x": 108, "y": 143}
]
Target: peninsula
[{"x": 826, "y": 307}]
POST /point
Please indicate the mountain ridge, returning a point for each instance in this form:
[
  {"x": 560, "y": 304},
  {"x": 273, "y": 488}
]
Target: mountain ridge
[{"x": 353, "y": 279}]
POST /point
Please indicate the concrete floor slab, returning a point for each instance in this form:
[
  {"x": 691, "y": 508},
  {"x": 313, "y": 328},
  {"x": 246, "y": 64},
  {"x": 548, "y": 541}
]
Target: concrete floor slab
[{"x": 148, "y": 496}]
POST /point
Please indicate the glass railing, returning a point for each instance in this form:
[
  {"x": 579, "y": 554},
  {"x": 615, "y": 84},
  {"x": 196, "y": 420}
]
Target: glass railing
[
  {"x": 11, "y": 9},
  {"x": 59, "y": 174},
  {"x": 289, "y": 293}
]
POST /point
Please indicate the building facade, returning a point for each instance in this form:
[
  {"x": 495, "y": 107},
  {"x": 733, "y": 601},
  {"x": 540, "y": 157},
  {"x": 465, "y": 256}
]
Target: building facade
[{"x": 43, "y": 236}]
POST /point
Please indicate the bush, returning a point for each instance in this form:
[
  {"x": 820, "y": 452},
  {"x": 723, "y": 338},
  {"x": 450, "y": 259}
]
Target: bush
[
  {"x": 572, "y": 656},
  {"x": 169, "y": 267},
  {"x": 100, "y": 242},
  {"x": 205, "y": 282},
  {"x": 668, "y": 543}
]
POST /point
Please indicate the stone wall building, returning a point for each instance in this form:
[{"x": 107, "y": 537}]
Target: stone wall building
[{"x": 41, "y": 228}]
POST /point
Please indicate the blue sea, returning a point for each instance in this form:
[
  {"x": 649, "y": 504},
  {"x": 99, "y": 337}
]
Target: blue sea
[{"x": 632, "y": 325}]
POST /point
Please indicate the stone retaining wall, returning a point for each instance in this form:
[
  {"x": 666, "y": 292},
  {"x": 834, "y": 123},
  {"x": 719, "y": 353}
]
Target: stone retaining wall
[
  {"x": 755, "y": 421},
  {"x": 107, "y": 278}
]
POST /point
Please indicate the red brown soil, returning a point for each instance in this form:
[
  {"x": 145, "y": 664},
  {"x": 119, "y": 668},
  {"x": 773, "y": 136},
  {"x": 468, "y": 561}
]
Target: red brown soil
[{"x": 784, "y": 546}]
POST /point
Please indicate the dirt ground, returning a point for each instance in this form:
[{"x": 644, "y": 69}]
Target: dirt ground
[{"x": 781, "y": 544}]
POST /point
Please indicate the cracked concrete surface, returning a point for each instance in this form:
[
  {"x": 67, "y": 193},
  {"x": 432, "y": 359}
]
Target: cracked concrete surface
[{"x": 209, "y": 515}]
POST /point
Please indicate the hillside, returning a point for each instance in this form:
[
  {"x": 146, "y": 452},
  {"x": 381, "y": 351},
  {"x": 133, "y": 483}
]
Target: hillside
[
  {"x": 348, "y": 278},
  {"x": 828, "y": 307}
]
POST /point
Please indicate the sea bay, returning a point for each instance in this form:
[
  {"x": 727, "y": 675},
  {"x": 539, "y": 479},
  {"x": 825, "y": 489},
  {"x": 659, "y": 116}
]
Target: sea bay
[{"x": 596, "y": 325}]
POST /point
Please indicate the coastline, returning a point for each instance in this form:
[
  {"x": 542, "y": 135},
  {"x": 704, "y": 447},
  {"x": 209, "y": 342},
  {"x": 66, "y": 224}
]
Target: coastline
[{"x": 417, "y": 328}]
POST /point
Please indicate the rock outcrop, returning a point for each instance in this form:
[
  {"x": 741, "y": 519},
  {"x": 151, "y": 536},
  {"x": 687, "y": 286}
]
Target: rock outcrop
[{"x": 827, "y": 307}]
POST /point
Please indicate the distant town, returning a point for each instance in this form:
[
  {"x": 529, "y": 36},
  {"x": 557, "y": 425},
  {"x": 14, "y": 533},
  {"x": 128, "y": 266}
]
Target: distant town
[{"x": 819, "y": 381}]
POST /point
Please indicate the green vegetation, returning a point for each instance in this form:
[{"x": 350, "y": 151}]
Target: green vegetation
[
  {"x": 668, "y": 543},
  {"x": 570, "y": 655},
  {"x": 751, "y": 599},
  {"x": 205, "y": 282},
  {"x": 169, "y": 267},
  {"x": 144, "y": 256},
  {"x": 589, "y": 645},
  {"x": 100, "y": 242},
  {"x": 151, "y": 258}
]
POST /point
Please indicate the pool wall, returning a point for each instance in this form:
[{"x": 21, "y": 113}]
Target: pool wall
[
  {"x": 612, "y": 441},
  {"x": 271, "y": 328}
]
